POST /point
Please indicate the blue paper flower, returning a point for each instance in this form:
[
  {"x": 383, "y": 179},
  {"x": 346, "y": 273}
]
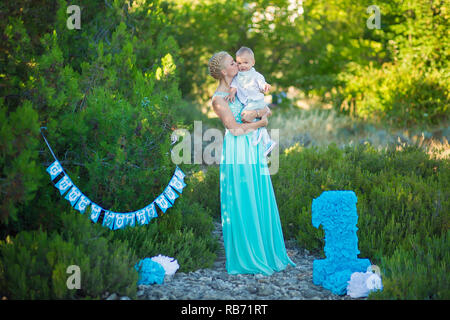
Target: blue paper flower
[{"x": 149, "y": 272}]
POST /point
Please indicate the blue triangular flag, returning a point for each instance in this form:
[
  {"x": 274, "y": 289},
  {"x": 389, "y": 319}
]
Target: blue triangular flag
[
  {"x": 95, "y": 212},
  {"x": 130, "y": 219},
  {"x": 141, "y": 217},
  {"x": 163, "y": 203},
  {"x": 108, "y": 220},
  {"x": 82, "y": 203},
  {"x": 120, "y": 221},
  {"x": 177, "y": 184},
  {"x": 54, "y": 169},
  {"x": 150, "y": 210},
  {"x": 64, "y": 184},
  {"x": 180, "y": 174},
  {"x": 73, "y": 195},
  {"x": 170, "y": 194}
]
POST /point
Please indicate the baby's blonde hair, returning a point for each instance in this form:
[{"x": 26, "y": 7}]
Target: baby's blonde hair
[
  {"x": 215, "y": 64},
  {"x": 244, "y": 50}
]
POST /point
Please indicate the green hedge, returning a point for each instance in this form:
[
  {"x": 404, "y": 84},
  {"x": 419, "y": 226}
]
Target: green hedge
[
  {"x": 33, "y": 264},
  {"x": 403, "y": 206},
  {"x": 404, "y": 94},
  {"x": 183, "y": 232},
  {"x": 417, "y": 271}
]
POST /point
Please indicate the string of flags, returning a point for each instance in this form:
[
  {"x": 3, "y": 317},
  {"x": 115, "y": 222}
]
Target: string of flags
[{"x": 115, "y": 220}]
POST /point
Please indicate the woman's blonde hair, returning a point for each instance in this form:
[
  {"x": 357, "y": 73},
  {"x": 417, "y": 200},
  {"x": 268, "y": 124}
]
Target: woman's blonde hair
[{"x": 215, "y": 64}]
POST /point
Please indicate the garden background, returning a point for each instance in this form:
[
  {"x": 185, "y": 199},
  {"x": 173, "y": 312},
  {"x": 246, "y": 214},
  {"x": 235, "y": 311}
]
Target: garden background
[{"x": 357, "y": 108}]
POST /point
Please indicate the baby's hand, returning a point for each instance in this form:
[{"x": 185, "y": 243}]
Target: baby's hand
[
  {"x": 267, "y": 88},
  {"x": 230, "y": 97}
]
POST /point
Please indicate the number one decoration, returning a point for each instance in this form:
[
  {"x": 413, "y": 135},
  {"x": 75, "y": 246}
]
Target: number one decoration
[{"x": 336, "y": 212}]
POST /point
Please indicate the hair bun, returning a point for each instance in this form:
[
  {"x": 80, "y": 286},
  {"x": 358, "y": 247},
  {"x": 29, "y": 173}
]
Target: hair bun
[{"x": 215, "y": 64}]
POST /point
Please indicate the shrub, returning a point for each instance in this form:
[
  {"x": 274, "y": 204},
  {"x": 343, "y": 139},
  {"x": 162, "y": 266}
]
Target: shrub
[
  {"x": 184, "y": 232},
  {"x": 203, "y": 187},
  {"x": 33, "y": 264},
  {"x": 112, "y": 141},
  {"x": 418, "y": 270},
  {"x": 403, "y": 94},
  {"x": 402, "y": 199},
  {"x": 20, "y": 171}
]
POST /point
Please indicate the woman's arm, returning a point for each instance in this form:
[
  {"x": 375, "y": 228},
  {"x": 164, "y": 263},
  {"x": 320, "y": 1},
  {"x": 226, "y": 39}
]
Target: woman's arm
[
  {"x": 221, "y": 108},
  {"x": 248, "y": 116}
]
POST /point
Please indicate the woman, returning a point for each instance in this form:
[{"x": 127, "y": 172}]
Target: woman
[{"x": 251, "y": 225}]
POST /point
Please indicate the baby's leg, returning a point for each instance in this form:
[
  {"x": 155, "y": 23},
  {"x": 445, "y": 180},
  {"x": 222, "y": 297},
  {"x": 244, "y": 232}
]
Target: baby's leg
[
  {"x": 255, "y": 106},
  {"x": 264, "y": 135},
  {"x": 268, "y": 143}
]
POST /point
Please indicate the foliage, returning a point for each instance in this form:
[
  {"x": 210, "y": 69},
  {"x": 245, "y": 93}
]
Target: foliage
[
  {"x": 402, "y": 204},
  {"x": 203, "y": 187},
  {"x": 96, "y": 125},
  {"x": 398, "y": 72},
  {"x": 20, "y": 171},
  {"x": 402, "y": 95},
  {"x": 33, "y": 264},
  {"x": 416, "y": 271},
  {"x": 183, "y": 233},
  {"x": 105, "y": 94},
  {"x": 110, "y": 95}
]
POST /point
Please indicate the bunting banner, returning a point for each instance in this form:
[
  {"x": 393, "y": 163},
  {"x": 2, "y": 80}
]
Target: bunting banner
[{"x": 110, "y": 219}]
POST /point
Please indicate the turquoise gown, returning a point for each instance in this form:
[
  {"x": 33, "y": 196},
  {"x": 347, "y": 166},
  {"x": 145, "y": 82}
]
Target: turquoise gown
[{"x": 251, "y": 226}]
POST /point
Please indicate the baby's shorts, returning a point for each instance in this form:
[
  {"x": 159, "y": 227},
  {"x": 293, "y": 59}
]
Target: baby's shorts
[{"x": 255, "y": 104}]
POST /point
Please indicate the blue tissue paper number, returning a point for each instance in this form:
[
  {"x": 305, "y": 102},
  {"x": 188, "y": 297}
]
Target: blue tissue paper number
[{"x": 336, "y": 212}]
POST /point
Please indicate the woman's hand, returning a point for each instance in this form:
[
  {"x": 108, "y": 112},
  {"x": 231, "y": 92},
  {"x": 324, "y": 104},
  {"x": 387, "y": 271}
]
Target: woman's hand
[
  {"x": 248, "y": 116},
  {"x": 265, "y": 121}
]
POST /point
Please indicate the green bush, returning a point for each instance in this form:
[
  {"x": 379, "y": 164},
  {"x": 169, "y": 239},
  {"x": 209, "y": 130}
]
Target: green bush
[
  {"x": 402, "y": 199},
  {"x": 105, "y": 95},
  {"x": 403, "y": 202},
  {"x": 418, "y": 270},
  {"x": 33, "y": 264},
  {"x": 203, "y": 187},
  {"x": 404, "y": 95},
  {"x": 183, "y": 232},
  {"x": 110, "y": 97},
  {"x": 21, "y": 172}
]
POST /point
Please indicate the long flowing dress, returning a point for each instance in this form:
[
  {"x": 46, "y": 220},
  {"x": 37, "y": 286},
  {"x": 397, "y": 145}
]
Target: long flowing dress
[{"x": 251, "y": 226}]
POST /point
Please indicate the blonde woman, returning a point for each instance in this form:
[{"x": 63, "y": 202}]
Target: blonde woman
[{"x": 251, "y": 226}]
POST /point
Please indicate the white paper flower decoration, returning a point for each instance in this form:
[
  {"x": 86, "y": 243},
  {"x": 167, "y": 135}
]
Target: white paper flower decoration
[
  {"x": 361, "y": 284},
  {"x": 374, "y": 282},
  {"x": 170, "y": 265}
]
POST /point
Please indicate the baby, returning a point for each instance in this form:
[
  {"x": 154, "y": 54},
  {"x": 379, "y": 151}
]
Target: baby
[{"x": 250, "y": 85}]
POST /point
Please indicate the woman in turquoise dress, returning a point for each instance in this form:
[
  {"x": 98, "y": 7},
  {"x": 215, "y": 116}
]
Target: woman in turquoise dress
[{"x": 252, "y": 234}]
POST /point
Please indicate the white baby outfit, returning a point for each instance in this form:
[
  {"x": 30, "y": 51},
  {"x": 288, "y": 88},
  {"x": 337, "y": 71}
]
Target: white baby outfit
[{"x": 249, "y": 85}]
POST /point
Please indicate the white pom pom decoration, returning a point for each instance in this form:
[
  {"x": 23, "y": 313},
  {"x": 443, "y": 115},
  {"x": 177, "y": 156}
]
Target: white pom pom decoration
[
  {"x": 361, "y": 284},
  {"x": 170, "y": 265}
]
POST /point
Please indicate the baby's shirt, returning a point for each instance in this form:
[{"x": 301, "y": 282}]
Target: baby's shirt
[{"x": 249, "y": 85}]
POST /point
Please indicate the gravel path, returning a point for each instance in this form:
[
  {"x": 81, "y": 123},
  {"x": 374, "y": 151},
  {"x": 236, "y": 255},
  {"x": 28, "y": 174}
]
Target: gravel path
[{"x": 216, "y": 284}]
